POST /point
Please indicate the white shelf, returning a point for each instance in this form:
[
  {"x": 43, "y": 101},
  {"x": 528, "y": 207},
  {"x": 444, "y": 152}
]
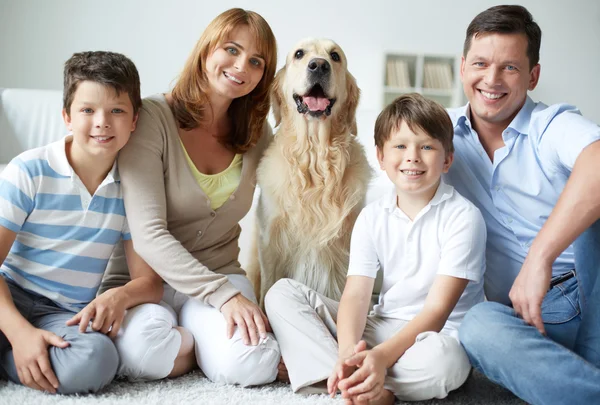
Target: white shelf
[{"x": 434, "y": 76}]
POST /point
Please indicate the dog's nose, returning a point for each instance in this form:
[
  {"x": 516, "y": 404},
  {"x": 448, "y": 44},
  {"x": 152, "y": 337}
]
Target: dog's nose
[{"x": 319, "y": 66}]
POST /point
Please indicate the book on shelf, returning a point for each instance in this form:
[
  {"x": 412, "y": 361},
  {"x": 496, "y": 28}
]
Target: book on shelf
[
  {"x": 437, "y": 75},
  {"x": 398, "y": 73}
]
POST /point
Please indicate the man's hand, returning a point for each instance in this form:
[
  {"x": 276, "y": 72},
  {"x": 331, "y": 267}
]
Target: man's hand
[
  {"x": 529, "y": 289},
  {"x": 341, "y": 370},
  {"x": 107, "y": 312},
  {"x": 366, "y": 383},
  {"x": 30, "y": 351},
  {"x": 247, "y": 316}
]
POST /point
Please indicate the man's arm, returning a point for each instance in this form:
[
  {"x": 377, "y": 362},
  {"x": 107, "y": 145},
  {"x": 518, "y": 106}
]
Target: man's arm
[
  {"x": 29, "y": 344},
  {"x": 108, "y": 309},
  {"x": 576, "y": 210}
]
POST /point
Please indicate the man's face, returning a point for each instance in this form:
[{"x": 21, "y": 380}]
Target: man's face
[{"x": 496, "y": 76}]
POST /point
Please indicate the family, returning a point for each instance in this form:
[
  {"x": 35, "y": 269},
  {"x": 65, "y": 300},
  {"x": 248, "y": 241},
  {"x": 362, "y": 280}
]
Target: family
[{"x": 488, "y": 242}]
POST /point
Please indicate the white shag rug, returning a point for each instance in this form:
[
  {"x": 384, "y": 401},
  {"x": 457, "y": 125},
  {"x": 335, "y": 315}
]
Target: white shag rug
[{"x": 190, "y": 389}]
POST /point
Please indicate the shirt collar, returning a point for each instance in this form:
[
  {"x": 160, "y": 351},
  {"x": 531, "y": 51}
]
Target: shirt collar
[
  {"x": 521, "y": 121},
  {"x": 464, "y": 117},
  {"x": 57, "y": 159},
  {"x": 443, "y": 192}
]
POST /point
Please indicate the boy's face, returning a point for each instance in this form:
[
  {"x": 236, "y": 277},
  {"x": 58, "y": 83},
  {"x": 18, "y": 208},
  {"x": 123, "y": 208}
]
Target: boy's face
[
  {"x": 100, "y": 120},
  {"x": 414, "y": 162},
  {"x": 496, "y": 77}
]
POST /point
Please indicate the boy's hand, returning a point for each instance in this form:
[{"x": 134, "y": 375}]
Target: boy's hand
[
  {"x": 366, "y": 383},
  {"x": 30, "y": 351},
  {"x": 342, "y": 370},
  {"x": 107, "y": 310}
]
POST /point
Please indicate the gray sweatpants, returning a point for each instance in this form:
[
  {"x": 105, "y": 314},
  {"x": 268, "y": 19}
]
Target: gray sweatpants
[
  {"x": 88, "y": 364},
  {"x": 304, "y": 323}
]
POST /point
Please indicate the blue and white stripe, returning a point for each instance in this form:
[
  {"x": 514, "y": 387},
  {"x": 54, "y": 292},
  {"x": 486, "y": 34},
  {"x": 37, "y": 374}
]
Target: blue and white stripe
[{"x": 63, "y": 244}]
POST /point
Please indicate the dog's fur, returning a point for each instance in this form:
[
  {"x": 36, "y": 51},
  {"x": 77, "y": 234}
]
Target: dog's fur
[{"x": 313, "y": 176}]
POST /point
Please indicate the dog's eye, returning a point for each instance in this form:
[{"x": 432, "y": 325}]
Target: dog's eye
[
  {"x": 299, "y": 54},
  {"x": 335, "y": 56}
]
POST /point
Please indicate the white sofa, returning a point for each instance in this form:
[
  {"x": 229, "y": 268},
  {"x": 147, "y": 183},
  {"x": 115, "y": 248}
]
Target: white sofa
[
  {"x": 28, "y": 119},
  {"x": 32, "y": 118}
]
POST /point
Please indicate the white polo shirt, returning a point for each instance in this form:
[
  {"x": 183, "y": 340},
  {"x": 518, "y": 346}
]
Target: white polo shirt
[{"x": 447, "y": 237}]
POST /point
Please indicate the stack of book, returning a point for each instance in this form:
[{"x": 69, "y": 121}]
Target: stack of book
[
  {"x": 398, "y": 73},
  {"x": 437, "y": 75}
]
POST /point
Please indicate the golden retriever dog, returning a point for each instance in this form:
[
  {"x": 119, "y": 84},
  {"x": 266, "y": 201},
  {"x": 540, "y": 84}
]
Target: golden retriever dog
[{"x": 314, "y": 175}]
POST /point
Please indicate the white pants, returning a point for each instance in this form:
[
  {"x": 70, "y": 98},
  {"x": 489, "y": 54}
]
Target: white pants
[
  {"x": 304, "y": 323},
  {"x": 148, "y": 343}
]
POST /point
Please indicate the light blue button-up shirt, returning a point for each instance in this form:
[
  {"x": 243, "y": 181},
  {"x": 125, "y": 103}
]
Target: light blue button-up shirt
[{"x": 518, "y": 190}]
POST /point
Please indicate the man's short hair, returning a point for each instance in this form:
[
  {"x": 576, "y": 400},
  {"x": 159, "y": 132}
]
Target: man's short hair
[{"x": 507, "y": 20}]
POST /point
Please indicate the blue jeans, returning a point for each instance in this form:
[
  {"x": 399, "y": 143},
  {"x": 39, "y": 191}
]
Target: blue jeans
[{"x": 560, "y": 368}]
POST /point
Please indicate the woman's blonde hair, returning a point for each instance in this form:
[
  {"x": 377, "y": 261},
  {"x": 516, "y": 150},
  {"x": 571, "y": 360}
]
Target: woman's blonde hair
[{"x": 248, "y": 113}]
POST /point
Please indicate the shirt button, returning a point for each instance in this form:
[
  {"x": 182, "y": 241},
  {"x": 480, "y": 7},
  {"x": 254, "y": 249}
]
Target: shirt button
[
  {"x": 232, "y": 197},
  {"x": 509, "y": 220},
  {"x": 497, "y": 188},
  {"x": 199, "y": 233},
  {"x": 213, "y": 214}
]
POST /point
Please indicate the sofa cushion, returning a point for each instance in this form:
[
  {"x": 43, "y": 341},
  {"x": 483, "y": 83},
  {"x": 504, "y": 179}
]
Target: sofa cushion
[{"x": 29, "y": 119}]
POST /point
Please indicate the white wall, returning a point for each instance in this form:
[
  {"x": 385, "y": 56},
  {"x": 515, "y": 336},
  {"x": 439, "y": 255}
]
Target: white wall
[{"x": 37, "y": 36}]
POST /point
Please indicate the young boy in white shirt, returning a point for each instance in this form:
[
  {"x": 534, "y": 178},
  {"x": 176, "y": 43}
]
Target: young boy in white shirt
[
  {"x": 61, "y": 216},
  {"x": 429, "y": 242}
]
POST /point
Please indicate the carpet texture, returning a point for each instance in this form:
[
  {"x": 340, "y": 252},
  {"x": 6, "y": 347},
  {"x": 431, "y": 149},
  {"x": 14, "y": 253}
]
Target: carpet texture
[{"x": 195, "y": 389}]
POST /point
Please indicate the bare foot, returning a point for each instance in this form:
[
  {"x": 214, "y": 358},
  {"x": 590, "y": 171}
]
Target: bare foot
[
  {"x": 186, "y": 358},
  {"x": 386, "y": 399},
  {"x": 282, "y": 373}
]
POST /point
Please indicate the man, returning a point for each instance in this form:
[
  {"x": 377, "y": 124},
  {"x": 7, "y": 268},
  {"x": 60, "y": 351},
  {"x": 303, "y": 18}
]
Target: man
[{"x": 532, "y": 170}]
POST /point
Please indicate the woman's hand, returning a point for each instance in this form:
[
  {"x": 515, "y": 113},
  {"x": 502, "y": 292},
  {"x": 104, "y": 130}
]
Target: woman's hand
[
  {"x": 247, "y": 316},
  {"x": 106, "y": 313}
]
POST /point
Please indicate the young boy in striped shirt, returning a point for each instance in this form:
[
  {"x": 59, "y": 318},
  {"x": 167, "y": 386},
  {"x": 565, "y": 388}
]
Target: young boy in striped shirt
[{"x": 61, "y": 215}]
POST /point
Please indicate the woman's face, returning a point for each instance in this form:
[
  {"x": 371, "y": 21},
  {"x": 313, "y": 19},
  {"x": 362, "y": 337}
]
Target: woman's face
[{"x": 235, "y": 67}]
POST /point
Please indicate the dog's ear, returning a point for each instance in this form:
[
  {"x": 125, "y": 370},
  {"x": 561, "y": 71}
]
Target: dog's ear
[
  {"x": 277, "y": 95},
  {"x": 353, "y": 96}
]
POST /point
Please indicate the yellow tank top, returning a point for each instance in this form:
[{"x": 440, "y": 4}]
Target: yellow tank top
[{"x": 218, "y": 187}]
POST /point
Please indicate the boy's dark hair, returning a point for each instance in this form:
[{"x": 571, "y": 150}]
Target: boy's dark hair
[
  {"x": 416, "y": 111},
  {"x": 507, "y": 20},
  {"x": 107, "y": 68}
]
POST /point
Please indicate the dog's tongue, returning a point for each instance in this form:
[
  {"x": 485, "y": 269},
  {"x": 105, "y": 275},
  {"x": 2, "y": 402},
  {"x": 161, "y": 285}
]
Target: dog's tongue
[{"x": 316, "y": 103}]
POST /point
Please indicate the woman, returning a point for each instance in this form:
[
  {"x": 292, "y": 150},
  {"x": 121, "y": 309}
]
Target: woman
[{"x": 188, "y": 176}]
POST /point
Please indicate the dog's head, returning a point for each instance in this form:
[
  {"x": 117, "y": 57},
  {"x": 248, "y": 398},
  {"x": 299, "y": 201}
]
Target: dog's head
[{"x": 315, "y": 84}]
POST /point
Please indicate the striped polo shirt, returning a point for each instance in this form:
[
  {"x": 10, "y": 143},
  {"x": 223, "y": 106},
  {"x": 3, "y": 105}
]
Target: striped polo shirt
[{"x": 65, "y": 236}]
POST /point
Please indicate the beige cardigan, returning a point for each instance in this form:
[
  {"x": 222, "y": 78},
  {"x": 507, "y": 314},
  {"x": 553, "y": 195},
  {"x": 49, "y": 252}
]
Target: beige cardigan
[{"x": 173, "y": 228}]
